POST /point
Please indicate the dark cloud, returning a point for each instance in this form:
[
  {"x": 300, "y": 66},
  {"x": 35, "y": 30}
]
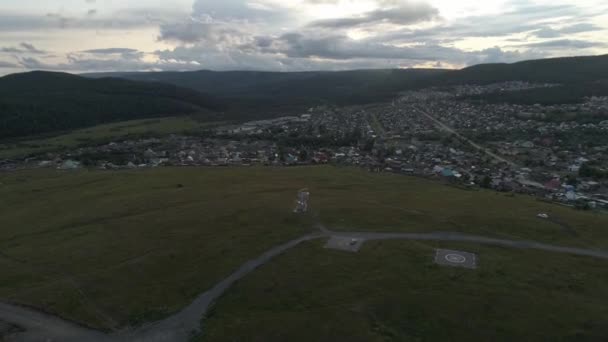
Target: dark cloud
[
  {"x": 77, "y": 63},
  {"x": 218, "y": 22},
  {"x": 309, "y": 51},
  {"x": 121, "y": 20},
  {"x": 34, "y": 63},
  {"x": 23, "y": 48},
  {"x": 291, "y": 52},
  {"x": 251, "y": 35},
  {"x": 498, "y": 55},
  {"x": 522, "y": 18},
  {"x": 565, "y": 44},
  {"x": 548, "y": 32},
  {"x": 114, "y": 53},
  {"x": 8, "y": 65},
  {"x": 200, "y": 57},
  {"x": 197, "y": 57},
  {"x": 323, "y": 44},
  {"x": 209, "y": 33},
  {"x": 31, "y": 48},
  {"x": 61, "y": 21},
  {"x": 406, "y": 13},
  {"x": 342, "y": 47},
  {"x": 10, "y": 50},
  {"x": 582, "y": 27},
  {"x": 236, "y": 10},
  {"x": 317, "y": 2},
  {"x": 111, "y": 51},
  {"x": 190, "y": 31}
]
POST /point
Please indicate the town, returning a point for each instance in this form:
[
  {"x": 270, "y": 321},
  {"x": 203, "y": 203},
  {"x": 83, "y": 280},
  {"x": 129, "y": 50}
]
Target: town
[{"x": 435, "y": 133}]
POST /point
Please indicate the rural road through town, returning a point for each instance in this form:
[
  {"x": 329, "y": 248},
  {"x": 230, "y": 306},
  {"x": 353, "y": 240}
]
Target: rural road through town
[
  {"x": 450, "y": 130},
  {"x": 42, "y": 327}
]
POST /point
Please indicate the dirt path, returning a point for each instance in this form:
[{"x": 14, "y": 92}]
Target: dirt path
[{"x": 42, "y": 327}]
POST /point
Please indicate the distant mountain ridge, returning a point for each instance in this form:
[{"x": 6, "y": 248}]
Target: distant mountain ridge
[
  {"x": 276, "y": 91},
  {"x": 254, "y": 83},
  {"x": 551, "y": 70},
  {"x": 40, "y": 102}
]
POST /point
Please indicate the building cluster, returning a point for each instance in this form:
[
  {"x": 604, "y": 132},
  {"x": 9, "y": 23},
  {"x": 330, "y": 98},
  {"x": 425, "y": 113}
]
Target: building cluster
[{"x": 429, "y": 133}]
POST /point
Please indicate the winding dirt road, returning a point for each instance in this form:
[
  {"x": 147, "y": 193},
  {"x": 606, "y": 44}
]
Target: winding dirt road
[{"x": 42, "y": 327}]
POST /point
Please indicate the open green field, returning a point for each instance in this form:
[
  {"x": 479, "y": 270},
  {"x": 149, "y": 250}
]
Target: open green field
[
  {"x": 111, "y": 249},
  {"x": 104, "y": 133},
  {"x": 349, "y": 199},
  {"x": 392, "y": 291}
]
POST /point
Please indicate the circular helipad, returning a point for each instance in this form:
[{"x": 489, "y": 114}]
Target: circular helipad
[
  {"x": 448, "y": 257},
  {"x": 456, "y": 258}
]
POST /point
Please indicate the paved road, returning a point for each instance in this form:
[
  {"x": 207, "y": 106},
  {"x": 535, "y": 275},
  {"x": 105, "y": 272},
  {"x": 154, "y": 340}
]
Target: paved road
[
  {"x": 182, "y": 324},
  {"x": 44, "y": 327},
  {"x": 457, "y": 237},
  {"x": 41, "y": 327}
]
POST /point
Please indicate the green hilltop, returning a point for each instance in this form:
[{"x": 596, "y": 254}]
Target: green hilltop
[{"x": 42, "y": 102}]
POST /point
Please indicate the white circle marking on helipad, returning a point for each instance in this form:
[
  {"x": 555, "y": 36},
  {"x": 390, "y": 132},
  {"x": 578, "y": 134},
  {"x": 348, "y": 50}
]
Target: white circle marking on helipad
[{"x": 455, "y": 258}]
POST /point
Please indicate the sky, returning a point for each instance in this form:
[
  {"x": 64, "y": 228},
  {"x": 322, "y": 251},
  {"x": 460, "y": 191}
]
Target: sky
[{"x": 292, "y": 35}]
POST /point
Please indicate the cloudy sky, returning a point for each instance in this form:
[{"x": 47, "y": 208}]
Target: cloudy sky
[{"x": 292, "y": 35}]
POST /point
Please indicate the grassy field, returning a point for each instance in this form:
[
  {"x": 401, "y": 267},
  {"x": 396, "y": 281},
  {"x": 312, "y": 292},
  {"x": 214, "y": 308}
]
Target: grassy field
[
  {"x": 348, "y": 200},
  {"x": 103, "y": 133},
  {"x": 393, "y": 291},
  {"x": 111, "y": 249},
  {"x": 116, "y": 248}
]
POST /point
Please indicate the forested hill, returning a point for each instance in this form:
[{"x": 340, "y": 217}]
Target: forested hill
[
  {"x": 285, "y": 89},
  {"x": 42, "y": 102},
  {"x": 579, "y": 77},
  {"x": 552, "y": 70}
]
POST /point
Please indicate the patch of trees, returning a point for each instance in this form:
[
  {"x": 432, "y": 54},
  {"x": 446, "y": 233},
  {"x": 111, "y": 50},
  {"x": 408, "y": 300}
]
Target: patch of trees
[
  {"x": 589, "y": 137},
  {"x": 593, "y": 171}
]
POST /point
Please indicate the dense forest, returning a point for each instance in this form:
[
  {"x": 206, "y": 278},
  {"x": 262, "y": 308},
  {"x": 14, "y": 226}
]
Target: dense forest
[{"x": 41, "y": 102}]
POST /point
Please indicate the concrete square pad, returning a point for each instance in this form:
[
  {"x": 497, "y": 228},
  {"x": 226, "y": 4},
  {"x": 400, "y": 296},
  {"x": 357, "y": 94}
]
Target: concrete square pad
[
  {"x": 345, "y": 243},
  {"x": 448, "y": 257}
]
